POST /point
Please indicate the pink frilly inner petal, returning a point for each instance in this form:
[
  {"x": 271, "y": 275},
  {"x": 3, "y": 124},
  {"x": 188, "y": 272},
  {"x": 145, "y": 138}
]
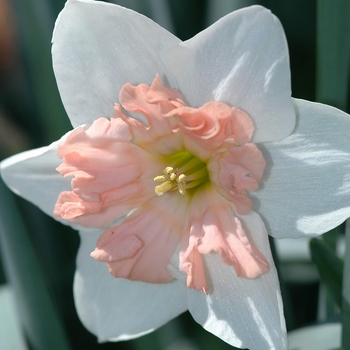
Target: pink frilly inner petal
[
  {"x": 141, "y": 247},
  {"x": 207, "y": 127},
  {"x": 111, "y": 175},
  {"x": 213, "y": 226},
  {"x": 237, "y": 171},
  {"x": 153, "y": 102}
]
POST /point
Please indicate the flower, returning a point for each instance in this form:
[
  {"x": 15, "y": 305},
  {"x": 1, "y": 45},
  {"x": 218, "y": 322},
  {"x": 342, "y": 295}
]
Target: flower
[
  {"x": 219, "y": 109},
  {"x": 197, "y": 152}
]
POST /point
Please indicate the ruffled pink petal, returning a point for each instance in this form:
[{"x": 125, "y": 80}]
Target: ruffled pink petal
[
  {"x": 213, "y": 226},
  {"x": 113, "y": 204},
  {"x": 237, "y": 171},
  {"x": 111, "y": 174},
  {"x": 241, "y": 201},
  {"x": 207, "y": 127},
  {"x": 191, "y": 262},
  {"x": 141, "y": 247},
  {"x": 166, "y": 98},
  {"x": 248, "y": 157},
  {"x": 68, "y": 206},
  {"x": 152, "y": 102}
]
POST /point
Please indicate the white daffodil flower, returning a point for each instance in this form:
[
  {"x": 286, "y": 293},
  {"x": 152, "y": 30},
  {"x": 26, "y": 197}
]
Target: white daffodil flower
[{"x": 183, "y": 158}]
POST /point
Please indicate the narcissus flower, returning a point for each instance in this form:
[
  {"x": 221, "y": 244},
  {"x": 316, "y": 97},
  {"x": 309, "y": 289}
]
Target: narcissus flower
[{"x": 183, "y": 157}]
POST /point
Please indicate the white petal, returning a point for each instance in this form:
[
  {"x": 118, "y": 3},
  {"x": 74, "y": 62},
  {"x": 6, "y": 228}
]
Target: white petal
[
  {"x": 306, "y": 190},
  {"x": 97, "y": 48},
  {"x": 119, "y": 309},
  {"x": 244, "y": 313},
  {"x": 242, "y": 60},
  {"x": 33, "y": 176}
]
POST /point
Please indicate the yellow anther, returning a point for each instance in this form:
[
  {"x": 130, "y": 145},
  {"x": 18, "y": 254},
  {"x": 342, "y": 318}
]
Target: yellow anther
[
  {"x": 160, "y": 178},
  {"x": 181, "y": 178},
  {"x": 168, "y": 170}
]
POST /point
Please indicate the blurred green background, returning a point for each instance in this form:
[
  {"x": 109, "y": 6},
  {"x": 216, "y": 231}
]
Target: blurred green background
[{"x": 31, "y": 115}]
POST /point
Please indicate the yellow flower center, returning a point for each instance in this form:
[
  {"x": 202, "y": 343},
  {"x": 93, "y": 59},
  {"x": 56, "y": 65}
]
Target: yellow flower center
[{"x": 184, "y": 172}]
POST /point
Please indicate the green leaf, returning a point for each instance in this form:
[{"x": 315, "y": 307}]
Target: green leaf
[
  {"x": 324, "y": 336},
  {"x": 219, "y": 8},
  {"x": 330, "y": 268},
  {"x": 346, "y": 292},
  {"x": 34, "y": 302},
  {"x": 333, "y": 52},
  {"x": 333, "y": 57},
  {"x": 11, "y": 333},
  {"x": 36, "y": 22}
]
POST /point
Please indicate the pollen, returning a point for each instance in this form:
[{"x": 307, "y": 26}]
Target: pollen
[{"x": 185, "y": 172}]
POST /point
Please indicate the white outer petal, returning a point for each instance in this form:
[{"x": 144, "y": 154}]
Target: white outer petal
[
  {"x": 33, "y": 176},
  {"x": 242, "y": 60},
  {"x": 97, "y": 48},
  {"x": 244, "y": 313},
  {"x": 306, "y": 186},
  {"x": 120, "y": 309}
]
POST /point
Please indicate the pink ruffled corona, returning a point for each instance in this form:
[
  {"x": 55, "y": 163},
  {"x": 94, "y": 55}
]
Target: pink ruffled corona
[
  {"x": 177, "y": 178},
  {"x": 213, "y": 226}
]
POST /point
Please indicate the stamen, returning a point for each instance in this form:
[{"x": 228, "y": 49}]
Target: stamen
[
  {"x": 185, "y": 172},
  {"x": 181, "y": 180},
  {"x": 190, "y": 165},
  {"x": 180, "y": 159},
  {"x": 200, "y": 173},
  {"x": 165, "y": 187}
]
